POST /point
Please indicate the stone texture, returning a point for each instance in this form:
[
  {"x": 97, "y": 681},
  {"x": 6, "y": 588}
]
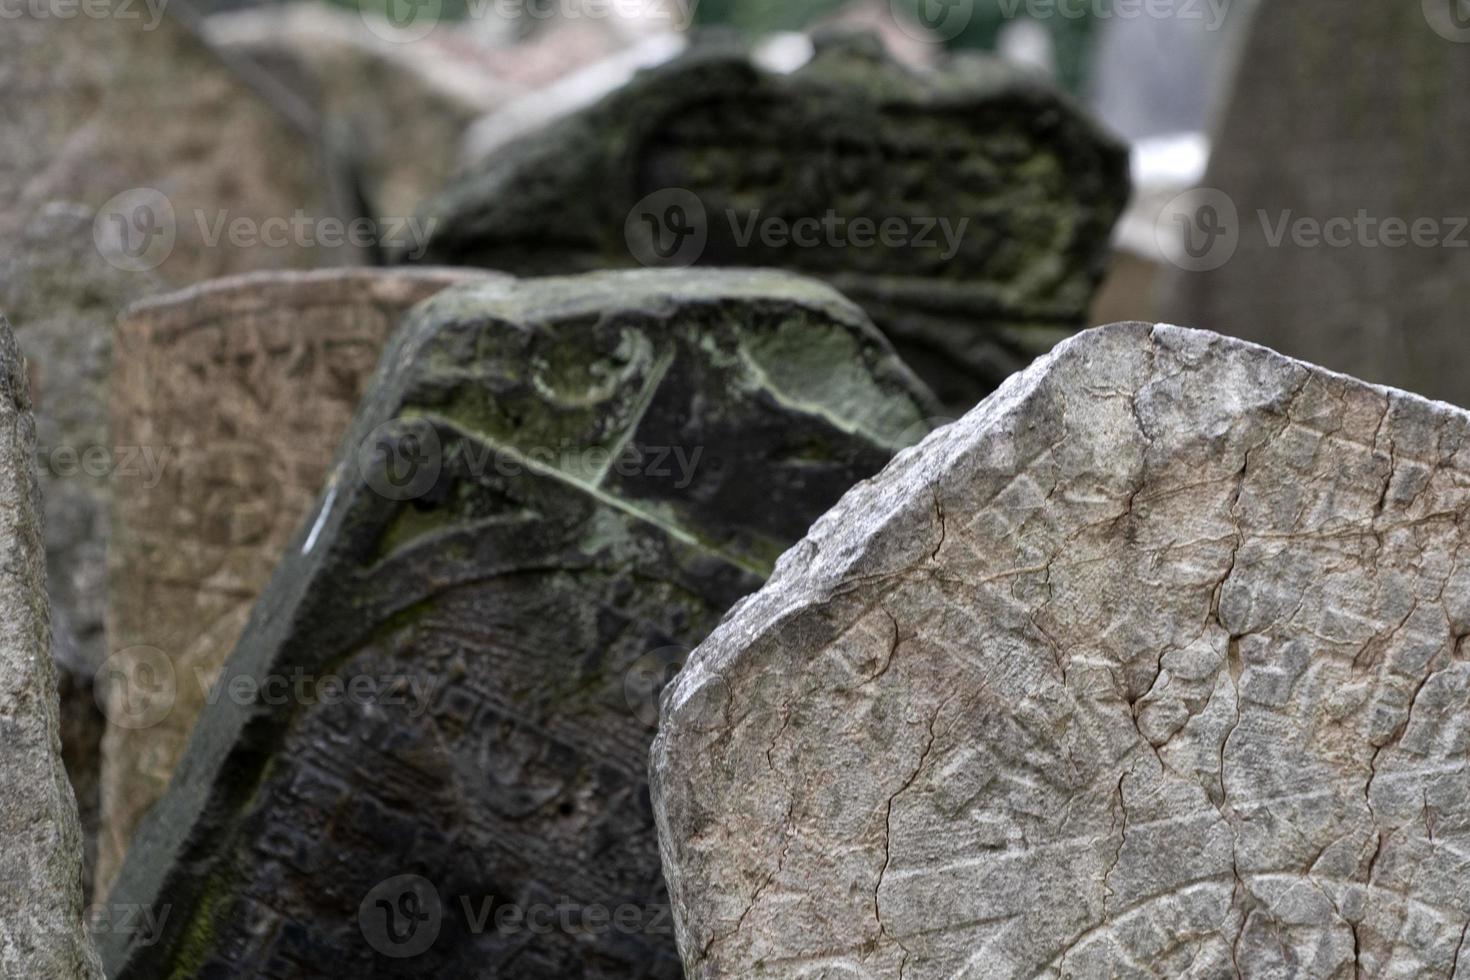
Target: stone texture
[
  {"x": 234, "y": 395},
  {"x": 548, "y": 483},
  {"x": 404, "y": 107},
  {"x": 1155, "y": 664},
  {"x": 1381, "y": 138},
  {"x": 854, "y": 134},
  {"x": 113, "y": 98},
  {"x": 41, "y": 929}
]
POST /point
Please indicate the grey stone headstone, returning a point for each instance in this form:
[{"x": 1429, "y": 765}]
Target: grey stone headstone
[
  {"x": 1155, "y": 664},
  {"x": 998, "y": 195},
  {"x": 1345, "y": 133},
  {"x": 552, "y": 490},
  {"x": 42, "y": 933}
]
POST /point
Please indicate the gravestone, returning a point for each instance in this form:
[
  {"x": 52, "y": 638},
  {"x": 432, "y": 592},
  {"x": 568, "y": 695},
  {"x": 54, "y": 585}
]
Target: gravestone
[
  {"x": 1154, "y": 664},
  {"x": 1339, "y": 230},
  {"x": 997, "y": 194},
  {"x": 41, "y": 929},
  {"x": 550, "y": 485},
  {"x": 128, "y": 151},
  {"x": 231, "y": 398},
  {"x": 405, "y": 106}
]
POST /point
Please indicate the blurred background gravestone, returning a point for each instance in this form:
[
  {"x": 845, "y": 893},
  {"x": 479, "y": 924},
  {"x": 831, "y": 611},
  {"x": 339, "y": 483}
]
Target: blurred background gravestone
[
  {"x": 1333, "y": 221},
  {"x": 248, "y": 383},
  {"x": 547, "y": 482},
  {"x": 127, "y": 150},
  {"x": 1004, "y": 194}
]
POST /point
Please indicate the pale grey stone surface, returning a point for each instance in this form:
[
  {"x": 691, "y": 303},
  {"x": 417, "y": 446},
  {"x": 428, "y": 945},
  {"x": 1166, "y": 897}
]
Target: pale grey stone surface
[
  {"x": 1155, "y": 664},
  {"x": 41, "y": 930}
]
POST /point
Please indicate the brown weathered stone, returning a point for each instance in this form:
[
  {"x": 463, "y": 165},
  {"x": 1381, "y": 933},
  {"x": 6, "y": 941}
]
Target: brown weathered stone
[
  {"x": 41, "y": 930},
  {"x": 235, "y": 394},
  {"x": 1155, "y": 664},
  {"x": 96, "y": 106}
]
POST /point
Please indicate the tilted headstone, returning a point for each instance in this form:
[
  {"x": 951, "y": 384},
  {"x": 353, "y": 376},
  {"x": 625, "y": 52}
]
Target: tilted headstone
[
  {"x": 231, "y": 398},
  {"x": 1154, "y": 664},
  {"x": 1333, "y": 224},
  {"x": 967, "y": 209},
  {"x": 427, "y": 755},
  {"x": 131, "y": 159},
  {"x": 41, "y": 926}
]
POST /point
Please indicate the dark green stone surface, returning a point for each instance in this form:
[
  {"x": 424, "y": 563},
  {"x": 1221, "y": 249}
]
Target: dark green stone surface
[
  {"x": 472, "y": 543},
  {"x": 853, "y": 134}
]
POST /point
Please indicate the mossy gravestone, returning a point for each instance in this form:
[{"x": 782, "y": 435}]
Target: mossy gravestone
[
  {"x": 967, "y": 210},
  {"x": 424, "y": 759}
]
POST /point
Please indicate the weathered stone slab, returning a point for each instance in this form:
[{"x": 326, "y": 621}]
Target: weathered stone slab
[
  {"x": 1336, "y": 227},
  {"x": 1004, "y": 191},
  {"x": 1154, "y": 664},
  {"x": 233, "y": 396},
  {"x": 129, "y": 153},
  {"x": 41, "y": 929},
  {"x": 549, "y": 483}
]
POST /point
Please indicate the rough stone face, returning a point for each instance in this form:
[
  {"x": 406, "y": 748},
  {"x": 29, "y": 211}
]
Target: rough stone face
[
  {"x": 233, "y": 396},
  {"x": 95, "y": 107},
  {"x": 1026, "y": 185},
  {"x": 549, "y": 485},
  {"x": 41, "y": 928},
  {"x": 1154, "y": 664},
  {"x": 1360, "y": 160}
]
